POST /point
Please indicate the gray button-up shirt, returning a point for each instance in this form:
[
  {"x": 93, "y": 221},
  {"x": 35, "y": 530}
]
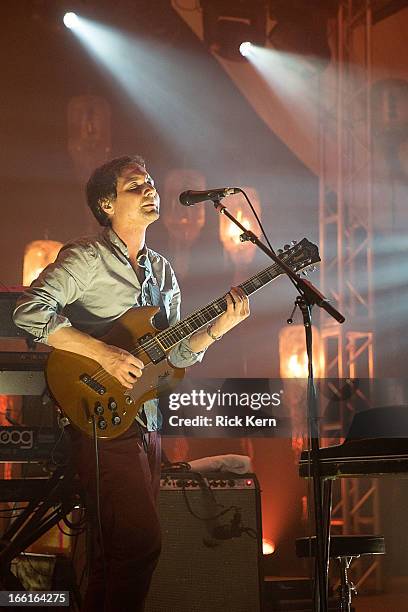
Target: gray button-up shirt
[{"x": 90, "y": 285}]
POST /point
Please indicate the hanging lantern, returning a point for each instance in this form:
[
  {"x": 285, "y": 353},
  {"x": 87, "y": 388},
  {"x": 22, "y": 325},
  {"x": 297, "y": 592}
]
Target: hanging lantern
[
  {"x": 184, "y": 223},
  {"x": 293, "y": 364},
  {"x": 37, "y": 255},
  {"x": 390, "y": 118},
  {"x": 268, "y": 547},
  {"x": 292, "y": 352},
  {"x": 390, "y": 108},
  {"x": 240, "y": 252},
  {"x": 89, "y": 134}
]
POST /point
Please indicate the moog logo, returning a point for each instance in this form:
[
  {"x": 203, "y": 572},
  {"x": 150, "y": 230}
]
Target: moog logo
[{"x": 17, "y": 437}]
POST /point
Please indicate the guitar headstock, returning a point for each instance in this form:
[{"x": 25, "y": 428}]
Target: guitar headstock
[{"x": 300, "y": 255}]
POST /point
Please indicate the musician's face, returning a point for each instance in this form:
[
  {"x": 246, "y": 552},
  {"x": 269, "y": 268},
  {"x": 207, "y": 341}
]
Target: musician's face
[{"x": 137, "y": 201}]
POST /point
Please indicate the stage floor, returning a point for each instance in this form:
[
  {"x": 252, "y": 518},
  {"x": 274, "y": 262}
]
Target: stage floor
[{"x": 395, "y": 599}]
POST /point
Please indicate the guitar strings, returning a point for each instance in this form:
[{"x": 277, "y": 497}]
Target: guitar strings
[{"x": 101, "y": 375}]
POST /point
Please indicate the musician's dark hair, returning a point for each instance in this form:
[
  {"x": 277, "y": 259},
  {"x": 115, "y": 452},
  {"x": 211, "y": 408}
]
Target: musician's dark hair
[{"x": 101, "y": 186}]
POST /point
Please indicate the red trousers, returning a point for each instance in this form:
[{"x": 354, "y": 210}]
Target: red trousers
[{"x": 129, "y": 486}]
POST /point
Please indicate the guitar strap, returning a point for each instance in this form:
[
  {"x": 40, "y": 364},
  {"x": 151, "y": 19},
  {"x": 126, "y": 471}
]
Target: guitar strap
[{"x": 160, "y": 319}]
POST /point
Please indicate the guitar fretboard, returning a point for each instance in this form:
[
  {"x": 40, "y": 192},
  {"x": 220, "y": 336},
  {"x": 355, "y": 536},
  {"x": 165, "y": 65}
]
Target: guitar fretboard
[
  {"x": 173, "y": 335},
  {"x": 297, "y": 258}
]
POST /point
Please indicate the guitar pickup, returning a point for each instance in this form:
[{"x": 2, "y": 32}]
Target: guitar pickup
[
  {"x": 93, "y": 384},
  {"x": 152, "y": 348}
]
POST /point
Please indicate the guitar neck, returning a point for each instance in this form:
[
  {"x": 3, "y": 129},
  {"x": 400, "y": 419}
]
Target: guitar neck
[{"x": 173, "y": 335}]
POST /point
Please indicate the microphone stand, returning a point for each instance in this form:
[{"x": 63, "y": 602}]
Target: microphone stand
[{"x": 308, "y": 297}]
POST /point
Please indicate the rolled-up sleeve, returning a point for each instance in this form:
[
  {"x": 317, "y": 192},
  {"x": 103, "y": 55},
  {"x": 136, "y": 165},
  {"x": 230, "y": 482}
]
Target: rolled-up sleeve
[
  {"x": 39, "y": 310},
  {"x": 181, "y": 356}
]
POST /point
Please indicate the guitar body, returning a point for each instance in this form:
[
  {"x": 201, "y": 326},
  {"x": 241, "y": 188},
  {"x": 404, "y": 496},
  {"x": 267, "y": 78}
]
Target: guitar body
[{"x": 86, "y": 393}]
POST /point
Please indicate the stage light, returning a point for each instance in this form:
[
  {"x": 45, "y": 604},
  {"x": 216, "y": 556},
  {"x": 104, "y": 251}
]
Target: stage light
[
  {"x": 226, "y": 23},
  {"x": 245, "y": 48},
  {"x": 70, "y": 20}
]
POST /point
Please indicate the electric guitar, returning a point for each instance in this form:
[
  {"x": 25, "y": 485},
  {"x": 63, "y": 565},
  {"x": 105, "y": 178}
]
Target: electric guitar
[{"x": 96, "y": 403}]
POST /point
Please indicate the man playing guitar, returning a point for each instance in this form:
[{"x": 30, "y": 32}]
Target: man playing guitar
[{"x": 71, "y": 306}]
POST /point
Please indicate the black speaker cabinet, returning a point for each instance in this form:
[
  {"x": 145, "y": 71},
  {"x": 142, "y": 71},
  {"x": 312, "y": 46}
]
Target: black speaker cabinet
[{"x": 212, "y": 544}]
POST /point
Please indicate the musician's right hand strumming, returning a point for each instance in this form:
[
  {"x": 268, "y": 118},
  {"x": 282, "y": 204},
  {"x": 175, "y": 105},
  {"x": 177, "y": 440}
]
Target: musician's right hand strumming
[{"x": 126, "y": 368}]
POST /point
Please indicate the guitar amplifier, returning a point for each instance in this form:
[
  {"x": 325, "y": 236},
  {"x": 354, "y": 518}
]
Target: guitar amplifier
[
  {"x": 212, "y": 544},
  {"x": 22, "y": 372}
]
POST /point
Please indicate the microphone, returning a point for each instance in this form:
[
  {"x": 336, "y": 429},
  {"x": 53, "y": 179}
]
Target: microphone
[{"x": 189, "y": 198}]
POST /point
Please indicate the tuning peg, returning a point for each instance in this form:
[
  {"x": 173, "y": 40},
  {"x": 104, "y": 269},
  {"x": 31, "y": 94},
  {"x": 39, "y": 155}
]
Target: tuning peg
[
  {"x": 286, "y": 247},
  {"x": 280, "y": 251},
  {"x": 293, "y": 243}
]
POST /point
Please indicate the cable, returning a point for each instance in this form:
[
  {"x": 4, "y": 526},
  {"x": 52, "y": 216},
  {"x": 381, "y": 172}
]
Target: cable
[
  {"x": 66, "y": 533},
  {"x": 85, "y": 570},
  {"x": 233, "y": 529},
  {"x": 98, "y": 501},
  {"x": 204, "y": 485},
  {"x": 76, "y": 526},
  {"x": 54, "y": 449},
  {"x": 264, "y": 233},
  {"x": 258, "y": 220}
]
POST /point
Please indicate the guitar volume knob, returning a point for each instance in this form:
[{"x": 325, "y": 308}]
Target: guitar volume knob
[
  {"x": 98, "y": 409},
  {"x": 112, "y": 405},
  {"x": 116, "y": 420},
  {"x": 102, "y": 424}
]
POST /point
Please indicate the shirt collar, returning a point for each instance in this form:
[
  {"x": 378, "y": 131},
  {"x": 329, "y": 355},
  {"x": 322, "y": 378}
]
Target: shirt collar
[
  {"x": 143, "y": 257},
  {"x": 116, "y": 241}
]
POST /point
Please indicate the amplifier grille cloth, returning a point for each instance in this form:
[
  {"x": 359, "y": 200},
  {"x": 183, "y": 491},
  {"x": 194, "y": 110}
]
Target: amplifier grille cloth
[{"x": 198, "y": 573}]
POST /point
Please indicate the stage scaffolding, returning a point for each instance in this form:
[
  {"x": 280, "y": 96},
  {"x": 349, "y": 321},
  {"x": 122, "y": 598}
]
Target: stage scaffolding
[{"x": 346, "y": 237}]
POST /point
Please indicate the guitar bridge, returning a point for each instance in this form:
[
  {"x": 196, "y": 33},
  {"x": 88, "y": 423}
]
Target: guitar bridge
[
  {"x": 93, "y": 384},
  {"x": 152, "y": 348}
]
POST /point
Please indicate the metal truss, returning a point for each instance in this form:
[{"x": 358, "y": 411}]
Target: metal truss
[{"x": 346, "y": 237}]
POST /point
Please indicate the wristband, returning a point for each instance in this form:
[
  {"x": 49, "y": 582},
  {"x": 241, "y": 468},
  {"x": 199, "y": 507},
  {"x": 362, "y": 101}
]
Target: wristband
[{"x": 209, "y": 332}]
